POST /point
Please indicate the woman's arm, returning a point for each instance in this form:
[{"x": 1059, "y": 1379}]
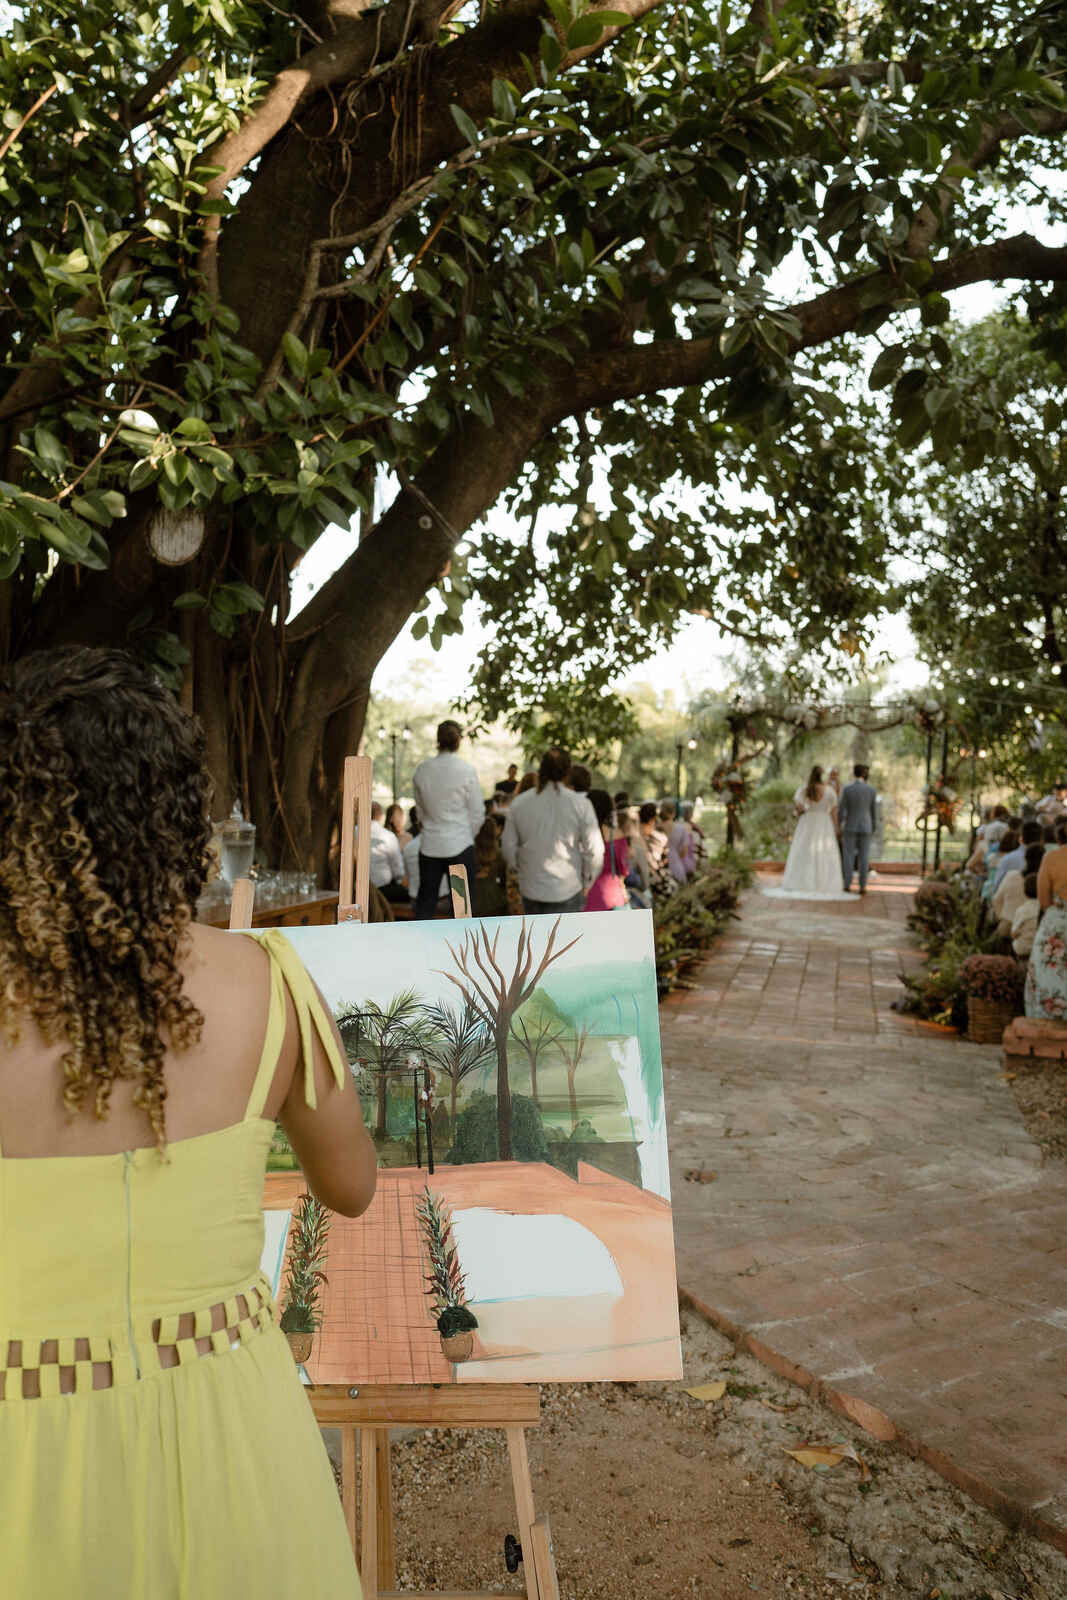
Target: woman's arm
[
  {"x": 1044, "y": 881},
  {"x": 335, "y": 1151}
]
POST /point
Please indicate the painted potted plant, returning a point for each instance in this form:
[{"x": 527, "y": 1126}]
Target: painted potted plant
[
  {"x": 301, "y": 1313},
  {"x": 456, "y": 1322}
]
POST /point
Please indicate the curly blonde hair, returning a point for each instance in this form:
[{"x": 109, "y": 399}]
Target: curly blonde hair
[{"x": 103, "y": 855}]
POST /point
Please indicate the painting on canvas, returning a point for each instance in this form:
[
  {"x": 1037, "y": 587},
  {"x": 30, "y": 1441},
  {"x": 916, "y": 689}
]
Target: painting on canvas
[{"x": 510, "y": 1073}]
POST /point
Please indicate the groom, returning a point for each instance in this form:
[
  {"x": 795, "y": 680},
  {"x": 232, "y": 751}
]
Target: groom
[{"x": 856, "y": 824}]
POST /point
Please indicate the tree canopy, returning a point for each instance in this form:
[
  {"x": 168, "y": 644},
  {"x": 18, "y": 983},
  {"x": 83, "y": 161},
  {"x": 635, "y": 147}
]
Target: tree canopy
[{"x": 258, "y": 261}]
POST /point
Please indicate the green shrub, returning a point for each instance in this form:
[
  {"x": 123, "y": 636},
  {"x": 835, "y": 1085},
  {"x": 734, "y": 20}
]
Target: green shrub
[
  {"x": 769, "y": 819},
  {"x": 687, "y": 924},
  {"x": 476, "y": 1137}
]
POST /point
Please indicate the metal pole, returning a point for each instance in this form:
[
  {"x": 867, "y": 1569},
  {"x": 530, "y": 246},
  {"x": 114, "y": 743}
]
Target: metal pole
[
  {"x": 393, "y": 737},
  {"x": 418, "y": 1113},
  {"x": 976, "y": 812},
  {"x": 429, "y": 1128},
  {"x": 678, "y": 775},
  {"x": 944, "y": 774},
  {"x": 926, "y": 795}
]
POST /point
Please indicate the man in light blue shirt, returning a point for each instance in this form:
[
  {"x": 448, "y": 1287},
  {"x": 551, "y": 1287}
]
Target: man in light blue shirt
[{"x": 1032, "y": 833}]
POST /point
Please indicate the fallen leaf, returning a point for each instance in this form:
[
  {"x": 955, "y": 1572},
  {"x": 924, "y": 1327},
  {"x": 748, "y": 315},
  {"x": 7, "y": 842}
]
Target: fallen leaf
[
  {"x": 699, "y": 1175},
  {"x": 817, "y": 1456},
  {"x": 708, "y": 1391},
  {"x": 830, "y": 1455},
  {"x": 774, "y": 1405}
]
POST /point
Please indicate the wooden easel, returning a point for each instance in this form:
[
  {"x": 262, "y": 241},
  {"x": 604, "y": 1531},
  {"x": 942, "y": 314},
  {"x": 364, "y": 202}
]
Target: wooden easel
[{"x": 365, "y": 1414}]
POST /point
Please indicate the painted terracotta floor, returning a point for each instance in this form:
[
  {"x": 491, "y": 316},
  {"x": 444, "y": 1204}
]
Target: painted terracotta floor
[
  {"x": 863, "y": 1204},
  {"x": 378, "y": 1325}
]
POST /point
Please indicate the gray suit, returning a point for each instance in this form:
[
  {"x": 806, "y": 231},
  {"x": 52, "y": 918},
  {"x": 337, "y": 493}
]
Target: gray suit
[{"x": 857, "y": 819}]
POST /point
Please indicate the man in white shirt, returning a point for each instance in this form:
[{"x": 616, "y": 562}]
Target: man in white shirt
[
  {"x": 448, "y": 798},
  {"x": 553, "y": 841},
  {"x": 386, "y": 860}
]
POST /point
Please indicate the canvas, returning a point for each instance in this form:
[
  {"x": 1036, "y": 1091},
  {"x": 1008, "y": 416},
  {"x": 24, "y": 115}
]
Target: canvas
[{"x": 510, "y": 1072}]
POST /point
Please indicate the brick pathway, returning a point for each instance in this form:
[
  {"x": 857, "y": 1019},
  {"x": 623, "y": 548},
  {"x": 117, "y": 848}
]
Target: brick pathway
[{"x": 879, "y": 1223}]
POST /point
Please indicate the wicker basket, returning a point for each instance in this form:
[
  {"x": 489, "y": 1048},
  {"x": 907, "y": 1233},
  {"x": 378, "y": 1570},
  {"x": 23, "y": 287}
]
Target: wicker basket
[{"x": 987, "y": 1019}]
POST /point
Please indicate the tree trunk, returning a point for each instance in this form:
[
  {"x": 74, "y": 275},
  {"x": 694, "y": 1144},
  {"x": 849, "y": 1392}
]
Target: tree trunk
[
  {"x": 572, "y": 1092},
  {"x": 503, "y": 1098},
  {"x": 533, "y": 1081}
]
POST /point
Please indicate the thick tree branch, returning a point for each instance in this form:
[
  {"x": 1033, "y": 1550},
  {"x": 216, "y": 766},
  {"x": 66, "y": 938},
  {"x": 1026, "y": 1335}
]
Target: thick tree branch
[{"x": 949, "y": 182}]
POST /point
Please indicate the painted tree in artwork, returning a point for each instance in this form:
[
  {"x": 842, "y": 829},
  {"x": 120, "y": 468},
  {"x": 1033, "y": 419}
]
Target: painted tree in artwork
[
  {"x": 535, "y": 1036},
  {"x": 572, "y": 1051},
  {"x": 484, "y": 983},
  {"x": 458, "y": 1046},
  {"x": 383, "y": 1039}
]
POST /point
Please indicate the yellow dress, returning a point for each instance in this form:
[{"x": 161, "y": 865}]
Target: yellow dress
[{"x": 155, "y": 1441}]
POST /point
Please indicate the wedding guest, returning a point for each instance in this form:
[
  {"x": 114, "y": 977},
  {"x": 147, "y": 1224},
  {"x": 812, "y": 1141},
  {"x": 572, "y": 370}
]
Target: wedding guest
[
  {"x": 449, "y": 798},
  {"x": 489, "y": 892},
  {"x": 1046, "y": 975},
  {"x": 386, "y": 860},
  {"x": 579, "y": 779},
  {"x": 682, "y": 846},
  {"x": 1012, "y": 860},
  {"x": 639, "y": 876},
  {"x": 1004, "y": 845},
  {"x": 1009, "y": 893},
  {"x": 552, "y": 840},
  {"x": 1024, "y": 923},
  {"x": 411, "y": 866},
  {"x": 608, "y": 891},
  {"x": 509, "y": 784},
  {"x": 155, "y": 1436},
  {"x": 527, "y": 781},
  {"x": 394, "y": 821}
]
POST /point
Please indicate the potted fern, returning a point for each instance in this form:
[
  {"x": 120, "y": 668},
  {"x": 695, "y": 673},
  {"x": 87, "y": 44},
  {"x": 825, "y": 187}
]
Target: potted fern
[
  {"x": 456, "y": 1322},
  {"x": 308, "y": 1238}
]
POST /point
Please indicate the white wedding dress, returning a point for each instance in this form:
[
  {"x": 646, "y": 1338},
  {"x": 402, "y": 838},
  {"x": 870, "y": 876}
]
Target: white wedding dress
[{"x": 813, "y": 866}]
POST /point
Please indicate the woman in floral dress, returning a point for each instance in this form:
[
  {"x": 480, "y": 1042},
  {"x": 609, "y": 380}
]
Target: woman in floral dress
[{"x": 1046, "y": 976}]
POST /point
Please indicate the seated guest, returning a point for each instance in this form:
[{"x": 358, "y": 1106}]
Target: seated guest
[
  {"x": 394, "y": 821},
  {"x": 489, "y": 892},
  {"x": 639, "y": 876},
  {"x": 580, "y": 780},
  {"x": 386, "y": 861},
  {"x": 411, "y": 862},
  {"x": 1008, "y": 897},
  {"x": 682, "y": 846},
  {"x": 527, "y": 781},
  {"x": 1024, "y": 922},
  {"x": 1046, "y": 974},
  {"x": 1003, "y": 846},
  {"x": 1012, "y": 861},
  {"x": 622, "y": 801}
]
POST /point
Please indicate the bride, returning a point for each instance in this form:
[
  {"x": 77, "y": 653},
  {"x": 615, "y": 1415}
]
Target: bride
[{"x": 813, "y": 867}]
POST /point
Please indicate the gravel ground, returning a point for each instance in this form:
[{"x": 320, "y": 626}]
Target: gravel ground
[
  {"x": 1040, "y": 1090},
  {"x": 654, "y": 1493}
]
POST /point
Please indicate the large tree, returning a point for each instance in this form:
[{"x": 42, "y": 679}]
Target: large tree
[{"x": 259, "y": 260}]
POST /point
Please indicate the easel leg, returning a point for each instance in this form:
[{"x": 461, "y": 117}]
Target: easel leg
[
  {"x": 348, "y": 1480},
  {"x": 524, "y": 1506},
  {"x": 368, "y": 1488},
  {"x": 386, "y": 1547},
  {"x": 544, "y": 1560}
]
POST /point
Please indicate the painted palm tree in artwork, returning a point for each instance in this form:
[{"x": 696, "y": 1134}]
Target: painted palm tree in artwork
[
  {"x": 385, "y": 1040},
  {"x": 458, "y": 1045},
  {"x": 496, "y": 988}
]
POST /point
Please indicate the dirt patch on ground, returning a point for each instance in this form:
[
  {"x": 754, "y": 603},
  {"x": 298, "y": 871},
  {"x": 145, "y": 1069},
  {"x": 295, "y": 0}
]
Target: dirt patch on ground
[
  {"x": 1040, "y": 1090},
  {"x": 654, "y": 1493}
]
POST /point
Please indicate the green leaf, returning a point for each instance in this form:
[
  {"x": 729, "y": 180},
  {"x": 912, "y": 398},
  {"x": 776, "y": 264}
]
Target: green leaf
[
  {"x": 887, "y": 366},
  {"x": 585, "y": 31},
  {"x": 463, "y": 122},
  {"x": 189, "y": 601},
  {"x": 193, "y": 428},
  {"x": 49, "y": 448},
  {"x": 295, "y": 353},
  {"x": 141, "y": 421}
]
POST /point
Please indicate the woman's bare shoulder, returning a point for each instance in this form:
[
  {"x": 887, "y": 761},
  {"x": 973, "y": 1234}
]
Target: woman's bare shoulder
[{"x": 216, "y": 955}]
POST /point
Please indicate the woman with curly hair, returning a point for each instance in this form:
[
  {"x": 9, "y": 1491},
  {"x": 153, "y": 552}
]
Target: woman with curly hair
[{"x": 153, "y": 1433}]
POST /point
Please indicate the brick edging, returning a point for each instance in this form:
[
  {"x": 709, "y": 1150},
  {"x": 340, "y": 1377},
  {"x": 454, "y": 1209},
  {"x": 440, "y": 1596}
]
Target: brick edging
[{"x": 881, "y": 1426}]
